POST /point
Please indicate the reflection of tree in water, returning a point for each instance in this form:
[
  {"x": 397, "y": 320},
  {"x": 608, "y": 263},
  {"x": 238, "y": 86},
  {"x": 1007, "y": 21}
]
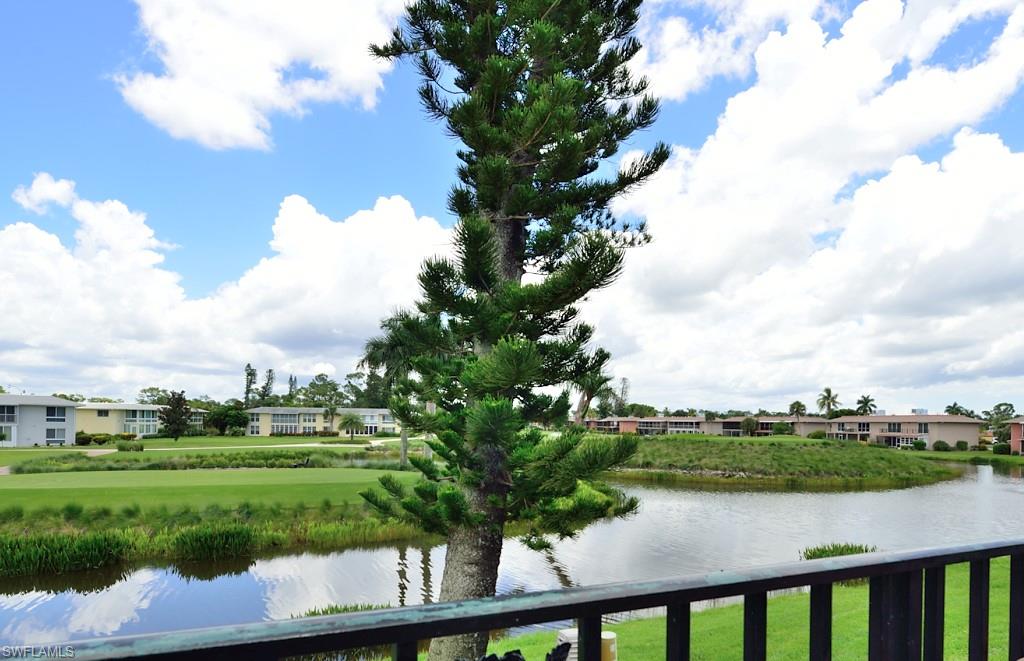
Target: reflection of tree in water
[
  {"x": 561, "y": 571},
  {"x": 427, "y": 592},
  {"x": 79, "y": 582},
  {"x": 403, "y": 575}
]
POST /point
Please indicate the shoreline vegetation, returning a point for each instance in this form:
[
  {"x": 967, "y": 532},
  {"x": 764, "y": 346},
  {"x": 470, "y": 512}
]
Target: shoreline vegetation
[
  {"x": 778, "y": 463},
  {"x": 64, "y": 511}
]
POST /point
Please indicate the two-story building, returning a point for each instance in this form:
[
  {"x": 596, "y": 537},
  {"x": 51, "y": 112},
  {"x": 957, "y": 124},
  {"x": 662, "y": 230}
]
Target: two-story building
[
  {"x": 699, "y": 425},
  {"x": 27, "y": 420},
  {"x": 648, "y": 426},
  {"x": 1016, "y": 433},
  {"x": 280, "y": 420},
  {"x": 900, "y": 431},
  {"x": 126, "y": 418}
]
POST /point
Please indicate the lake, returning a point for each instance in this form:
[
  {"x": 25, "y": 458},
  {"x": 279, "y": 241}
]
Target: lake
[{"x": 676, "y": 532}]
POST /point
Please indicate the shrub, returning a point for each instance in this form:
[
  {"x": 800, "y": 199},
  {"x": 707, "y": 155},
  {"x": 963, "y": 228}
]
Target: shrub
[
  {"x": 961, "y": 446},
  {"x": 920, "y": 445},
  {"x": 126, "y": 436},
  {"x": 393, "y": 434},
  {"x": 1001, "y": 448},
  {"x": 215, "y": 541},
  {"x": 102, "y": 439},
  {"x": 835, "y": 549},
  {"x": 327, "y": 433},
  {"x": 817, "y": 434},
  {"x": 129, "y": 446},
  {"x": 235, "y": 431},
  {"x": 72, "y": 511},
  {"x": 782, "y": 428},
  {"x": 56, "y": 553},
  {"x": 81, "y": 438},
  {"x": 941, "y": 446},
  {"x": 211, "y": 431}
]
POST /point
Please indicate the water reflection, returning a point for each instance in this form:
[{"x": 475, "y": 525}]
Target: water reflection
[{"x": 676, "y": 531}]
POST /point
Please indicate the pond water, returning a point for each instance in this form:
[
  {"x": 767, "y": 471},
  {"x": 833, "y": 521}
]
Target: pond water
[{"x": 676, "y": 532}]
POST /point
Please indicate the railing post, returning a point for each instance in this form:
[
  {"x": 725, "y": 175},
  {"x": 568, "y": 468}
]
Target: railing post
[
  {"x": 977, "y": 631},
  {"x": 1016, "y": 607},
  {"x": 894, "y": 617},
  {"x": 755, "y": 626},
  {"x": 821, "y": 622},
  {"x": 677, "y": 633},
  {"x": 590, "y": 638},
  {"x": 404, "y": 651},
  {"x": 934, "y": 613}
]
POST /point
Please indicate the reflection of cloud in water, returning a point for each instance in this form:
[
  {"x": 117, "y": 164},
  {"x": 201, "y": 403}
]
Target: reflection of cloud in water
[{"x": 42, "y": 618}]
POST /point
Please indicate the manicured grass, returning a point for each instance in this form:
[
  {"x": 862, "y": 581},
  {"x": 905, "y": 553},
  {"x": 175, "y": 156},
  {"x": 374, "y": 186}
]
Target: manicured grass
[
  {"x": 10, "y": 456},
  {"x": 718, "y": 633},
  {"x": 976, "y": 457},
  {"x": 196, "y": 488},
  {"x": 230, "y": 441},
  {"x": 792, "y": 463}
]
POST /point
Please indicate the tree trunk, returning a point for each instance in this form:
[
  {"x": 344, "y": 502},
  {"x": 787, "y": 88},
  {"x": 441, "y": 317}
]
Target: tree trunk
[
  {"x": 403, "y": 456},
  {"x": 470, "y": 572},
  {"x": 581, "y": 409}
]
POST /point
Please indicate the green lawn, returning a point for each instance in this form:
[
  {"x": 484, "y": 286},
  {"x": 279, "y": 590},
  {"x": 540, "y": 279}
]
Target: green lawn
[
  {"x": 976, "y": 457},
  {"x": 230, "y": 441},
  {"x": 10, "y": 456},
  {"x": 196, "y": 488},
  {"x": 718, "y": 633},
  {"x": 786, "y": 462}
]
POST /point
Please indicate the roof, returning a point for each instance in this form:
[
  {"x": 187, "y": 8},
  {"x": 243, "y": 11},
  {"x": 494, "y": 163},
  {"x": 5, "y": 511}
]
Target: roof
[
  {"x": 933, "y": 417},
  {"x": 36, "y": 400},
  {"x": 775, "y": 418},
  {"x": 1019, "y": 419},
  {"x": 668, "y": 418},
  {"x": 126, "y": 406},
  {"x": 310, "y": 409}
]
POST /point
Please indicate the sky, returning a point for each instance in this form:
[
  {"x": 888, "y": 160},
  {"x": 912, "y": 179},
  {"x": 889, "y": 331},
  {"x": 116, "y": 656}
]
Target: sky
[{"x": 187, "y": 186}]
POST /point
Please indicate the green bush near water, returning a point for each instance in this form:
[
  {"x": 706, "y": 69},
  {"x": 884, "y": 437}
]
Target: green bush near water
[
  {"x": 58, "y": 553},
  {"x": 941, "y": 446},
  {"x": 216, "y": 541},
  {"x": 817, "y": 434},
  {"x": 784, "y": 464},
  {"x": 1001, "y": 448}
]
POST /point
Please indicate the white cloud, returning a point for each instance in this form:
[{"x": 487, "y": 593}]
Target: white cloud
[
  {"x": 744, "y": 298},
  {"x": 226, "y": 67},
  {"x": 307, "y": 308},
  {"x": 45, "y": 190}
]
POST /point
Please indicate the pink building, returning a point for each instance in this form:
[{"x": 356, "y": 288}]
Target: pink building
[{"x": 1016, "y": 433}]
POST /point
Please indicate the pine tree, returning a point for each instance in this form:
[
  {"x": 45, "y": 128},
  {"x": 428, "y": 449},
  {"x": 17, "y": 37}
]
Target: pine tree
[
  {"x": 176, "y": 415},
  {"x": 539, "y": 94},
  {"x": 250, "y": 383}
]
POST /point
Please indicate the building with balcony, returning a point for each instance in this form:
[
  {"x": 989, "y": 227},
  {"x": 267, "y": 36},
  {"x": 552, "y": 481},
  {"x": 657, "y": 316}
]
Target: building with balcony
[
  {"x": 27, "y": 420},
  {"x": 699, "y": 425},
  {"x": 900, "y": 431},
  {"x": 802, "y": 426},
  {"x": 126, "y": 418},
  {"x": 296, "y": 420}
]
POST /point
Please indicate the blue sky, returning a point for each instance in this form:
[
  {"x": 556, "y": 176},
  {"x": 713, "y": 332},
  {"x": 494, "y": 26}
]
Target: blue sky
[{"x": 68, "y": 115}]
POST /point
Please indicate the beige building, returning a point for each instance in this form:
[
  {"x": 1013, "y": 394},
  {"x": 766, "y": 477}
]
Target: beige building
[
  {"x": 285, "y": 420},
  {"x": 699, "y": 425},
  {"x": 121, "y": 418},
  {"x": 901, "y": 431}
]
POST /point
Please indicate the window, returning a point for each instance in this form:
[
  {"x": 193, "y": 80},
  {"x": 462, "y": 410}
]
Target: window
[
  {"x": 922, "y": 428},
  {"x": 102, "y": 413},
  {"x": 842, "y": 426},
  {"x": 894, "y": 427},
  {"x": 307, "y": 429},
  {"x": 309, "y": 417},
  {"x": 864, "y": 427},
  {"x": 8, "y": 414},
  {"x": 55, "y": 435},
  {"x": 284, "y": 423},
  {"x": 56, "y": 414},
  {"x": 254, "y": 424}
]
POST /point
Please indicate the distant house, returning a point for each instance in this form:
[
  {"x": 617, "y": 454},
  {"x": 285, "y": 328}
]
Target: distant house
[
  {"x": 27, "y": 420},
  {"x": 698, "y": 425},
  {"x": 901, "y": 431},
  {"x": 121, "y": 418},
  {"x": 1016, "y": 433},
  {"x": 296, "y": 420}
]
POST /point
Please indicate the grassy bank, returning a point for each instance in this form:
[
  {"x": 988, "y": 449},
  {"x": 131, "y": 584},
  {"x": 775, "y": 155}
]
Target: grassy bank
[
  {"x": 976, "y": 458},
  {"x": 72, "y": 537},
  {"x": 66, "y": 462},
  {"x": 194, "y": 488},
  {"x": 784, "y": 463},
  {"x": 718, "y": 633}
]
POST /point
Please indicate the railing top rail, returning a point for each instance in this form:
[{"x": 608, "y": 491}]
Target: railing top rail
[{"x": 305, "y": 635}]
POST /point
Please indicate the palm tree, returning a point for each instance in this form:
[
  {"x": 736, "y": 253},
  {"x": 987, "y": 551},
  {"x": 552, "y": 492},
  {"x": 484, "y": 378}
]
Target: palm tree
[
  {"x": 592, "y": 384},
  {"x": 798, "y": 409},
  {"x": 955, "y": 409},
  {"x": 351, "y": 423},
  {"x": 828, "y": 401},
  {"x": 330, "y": 411},
  {"x": 386, "y": 353},
  {"x": 866, "y": 405}
]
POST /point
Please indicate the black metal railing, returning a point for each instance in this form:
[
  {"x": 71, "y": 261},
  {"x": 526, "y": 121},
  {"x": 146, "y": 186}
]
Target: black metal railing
[{"x": 905, "y": 621}]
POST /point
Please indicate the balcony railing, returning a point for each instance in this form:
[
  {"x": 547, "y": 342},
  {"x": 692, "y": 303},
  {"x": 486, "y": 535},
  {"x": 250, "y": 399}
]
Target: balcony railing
[{"x": 903, "y": 585}]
